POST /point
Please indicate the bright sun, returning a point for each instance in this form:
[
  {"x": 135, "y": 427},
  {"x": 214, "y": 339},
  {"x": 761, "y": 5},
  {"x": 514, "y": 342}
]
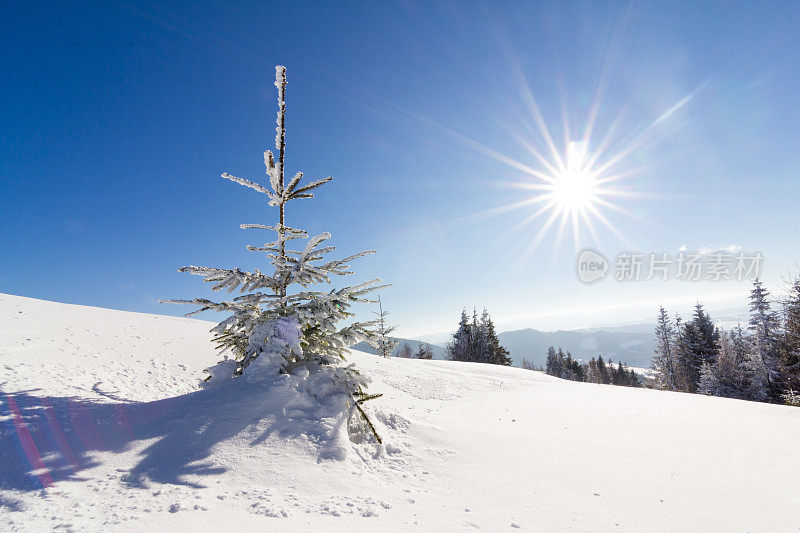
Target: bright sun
[
  {"x": 575, "y": 187},
  {"x": 570, "y": 193}
]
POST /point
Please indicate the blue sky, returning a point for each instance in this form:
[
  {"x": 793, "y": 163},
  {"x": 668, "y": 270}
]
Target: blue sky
[{"x": 119, "y": 117}]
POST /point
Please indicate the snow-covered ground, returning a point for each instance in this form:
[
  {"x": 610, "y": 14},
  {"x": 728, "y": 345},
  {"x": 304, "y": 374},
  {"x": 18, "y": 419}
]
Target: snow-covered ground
[{"x": 103, "y": 427}]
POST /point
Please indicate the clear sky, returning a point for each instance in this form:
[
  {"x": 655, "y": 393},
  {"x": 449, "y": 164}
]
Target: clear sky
[{"x": 117, "y": 119}]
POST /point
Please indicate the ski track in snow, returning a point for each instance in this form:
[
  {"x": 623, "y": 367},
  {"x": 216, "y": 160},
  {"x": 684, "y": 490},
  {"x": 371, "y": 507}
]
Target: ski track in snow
[{"x": 103, "y": 427}]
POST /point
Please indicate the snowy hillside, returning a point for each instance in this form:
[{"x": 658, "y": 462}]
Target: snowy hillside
[{"x": 103, "y": 428}]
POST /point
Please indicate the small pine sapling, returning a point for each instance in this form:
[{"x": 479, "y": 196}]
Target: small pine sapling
[
  {"x": 385, "y": 343},
  {"x": 291, "y": 330}
]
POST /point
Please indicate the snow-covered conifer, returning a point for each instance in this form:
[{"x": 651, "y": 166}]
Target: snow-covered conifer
[
  {"x": 790, "y": 340},
  {"x": 664, "y": 360},
  {"x": 707, "y": 342},
  {"x": 592, "y": 375},
  {"x": 763, "y": 341},
  {"x": 459, "y": 348},
  {"x": 709, "y": 381},
  {"x": 696, "y": 342},
  {"x": 756, "y": 375},
  {"x": 405, "y": 351},
  {"x": 491, "y": 350},
  {"x": 551, "y": 362},
  {"x": 386, "y": 344},
  {"x": 730, "y": 365},
  {"x": 293, "y": 330},
  {"x": 602, "y": 371},
  {"x": 687, "y": 365},
  {"x": 424, "y": 351}
]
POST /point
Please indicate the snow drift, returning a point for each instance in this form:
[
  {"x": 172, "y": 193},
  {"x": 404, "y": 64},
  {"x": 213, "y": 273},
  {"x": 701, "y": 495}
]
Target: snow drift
[{"x": 103, "y": 426}]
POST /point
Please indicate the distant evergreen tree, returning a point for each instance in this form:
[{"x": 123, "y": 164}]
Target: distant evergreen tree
[
  {"x": 687, "y": 365},
  {"x": 602, "y": 371},
  {"x": 696, "y": 342},
  {"x": 730, "y": 365},
  {"x": 405, "y": 351},
  {"x": 613, "y": 373},
  {"x": 622, "y": 376},
  {"x": 592, "y": 375},
  {"x": 709, "y": 381},
  {"x": 460, "y": 347},
  {"x": 664, "y": 360},
  {"x": 386, "y": 344},
  {"x": 481, "y": 351},
  {"x": 495, "y": 353},
  {"x": 789, "y": 356},
  {"x": 560, "y": 370},
  {"x": 707, "y": 342},
  {"x": 756, "y": 375},
  {"x": 578, "y": 370},
  {"x": 424, "y": 351},
  {"x": 763, "y": 364},
  {"x": 566, "y": 366},
  {"x": 551, "y": 363}
]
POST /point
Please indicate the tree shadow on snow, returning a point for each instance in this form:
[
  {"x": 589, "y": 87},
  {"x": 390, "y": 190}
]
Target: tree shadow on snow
[{"x": 44, "y": 440}]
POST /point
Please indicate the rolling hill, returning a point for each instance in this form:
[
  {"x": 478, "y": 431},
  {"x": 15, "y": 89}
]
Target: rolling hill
[{"x": 103, "y": 427}]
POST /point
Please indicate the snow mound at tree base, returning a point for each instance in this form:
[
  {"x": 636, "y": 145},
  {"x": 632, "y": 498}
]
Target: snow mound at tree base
[{"x": 103, "y": 427}]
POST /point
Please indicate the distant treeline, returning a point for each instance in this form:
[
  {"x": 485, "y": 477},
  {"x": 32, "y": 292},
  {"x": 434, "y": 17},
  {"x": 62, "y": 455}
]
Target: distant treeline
[{"x": 564, "y": 366}]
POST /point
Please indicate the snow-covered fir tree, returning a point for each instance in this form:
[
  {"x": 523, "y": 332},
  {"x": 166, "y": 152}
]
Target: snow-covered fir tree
[
  {"x": 592, "y": 376},
  {"x": 763, "y": 341},
  {"x": 696, "y": 342},
  {"x": 424, "y": 351},
  {"x": 687, "y": 365},
  {"x": 460, "y": 347},
  {"x": 709, "y": 380},
  {"x": 280, "y": 329},
  {"x": 404, "y": 351},
  {"x": 730, "y": 364},
  {"x": 551, "y": 364},
  {"x": 707, "y": 342},
  {"x": 664, "y": 359},
  {"x": 789, "y": 359},
  {"x": 386, "y": 344},
  {"x": 756, "y": 374},
  {"x": 602, "y": 371},
  {"x": 495, "y": 353}
]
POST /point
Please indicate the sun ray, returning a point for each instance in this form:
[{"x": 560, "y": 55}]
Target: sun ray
[
  {"x": 525, "y": 92},
  {"x": 534, "y": 244},
  {"x": 490, "y": 213},
  {"x": 533, "y": 216}
]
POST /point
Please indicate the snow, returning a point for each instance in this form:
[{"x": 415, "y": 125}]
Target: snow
[{"x": 104, "y": 409}]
